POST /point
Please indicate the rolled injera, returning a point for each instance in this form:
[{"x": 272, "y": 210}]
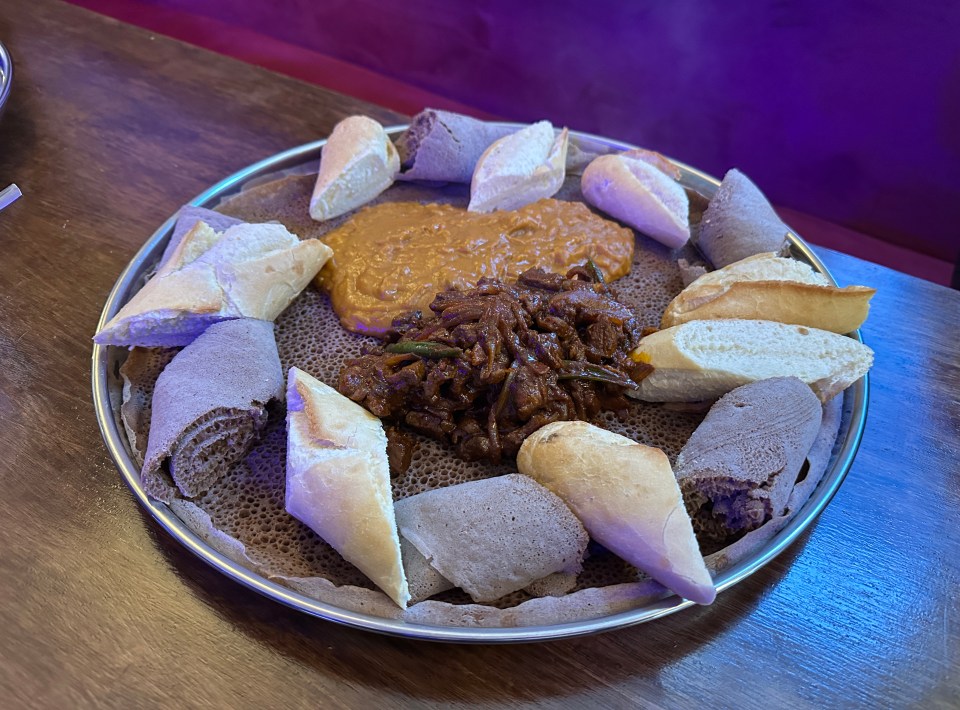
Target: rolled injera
[
  {"x": 737, "y": 470},
  {"x": 739, "y": 222},
  {"x": 209, "y": 406},
  {"x": 441, "y": 146}
]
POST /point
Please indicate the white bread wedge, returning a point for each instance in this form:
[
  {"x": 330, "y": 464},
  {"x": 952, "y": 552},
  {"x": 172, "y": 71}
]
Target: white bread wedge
[
  {"x": 247, "y": 271},
  {"x": 187, "y": 219},
  {"x": 520, "y": 168},
  {"x": 358, "y": 163},
  {"x": 770, "y": 287},
  {"x": 632, "y": 188},
  {"x": 704, "y": 359},
  {"x": 338, "y": 480},
  {"x": 627, "y": 498}
]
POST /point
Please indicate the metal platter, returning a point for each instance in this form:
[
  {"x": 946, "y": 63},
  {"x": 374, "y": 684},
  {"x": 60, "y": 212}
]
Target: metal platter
[
  {"x": 107, "y": 396},
  {"x": 6, "y": 76}
]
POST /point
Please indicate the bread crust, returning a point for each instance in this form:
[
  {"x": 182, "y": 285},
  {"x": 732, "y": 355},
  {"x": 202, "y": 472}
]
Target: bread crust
[
  {"x": 839, "y": 310},
  {"x": 633, "y": 188},
  {"x": 627, "y": 498},
  {"x": 358, "y": 163},
  {"x": 520, "y": 168},
  {"x": 702, "y": 360},
  {"x": 770, "y": 287},
  {"x": 248, "y": 271},
  {"x": 338, "y": 480}
]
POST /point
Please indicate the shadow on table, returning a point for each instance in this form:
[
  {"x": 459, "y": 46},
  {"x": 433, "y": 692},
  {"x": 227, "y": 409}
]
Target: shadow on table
[
  {"x": 17, "y": 141},
  {"x": 458, "y": 673}
]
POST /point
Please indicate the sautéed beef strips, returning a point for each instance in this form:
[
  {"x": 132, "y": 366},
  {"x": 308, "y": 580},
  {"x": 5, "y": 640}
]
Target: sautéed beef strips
[{"x": 490, "y": 365}]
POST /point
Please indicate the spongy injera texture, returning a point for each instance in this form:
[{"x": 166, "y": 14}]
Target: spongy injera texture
[
  {"x": 495, "y": 536},
  {"x": 248, "y": 503},
  {"x": 140, "y": 372},
  {"x": 216, "y": 442},
  {"x": 739, "y": 468}
]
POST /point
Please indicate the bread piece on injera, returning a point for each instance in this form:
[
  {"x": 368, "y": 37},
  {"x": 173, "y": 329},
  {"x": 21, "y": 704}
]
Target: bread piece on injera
[
  {"x": 188, "y": 216},
  {"x": 519, "y": 169},
  {"x": 738, "y": 469},
  {"x": 248, "y": 271},
  {"x": 627, "y": 497},
  {"x": 338, "y": 480},
  {"x": 209, "y": 405}
]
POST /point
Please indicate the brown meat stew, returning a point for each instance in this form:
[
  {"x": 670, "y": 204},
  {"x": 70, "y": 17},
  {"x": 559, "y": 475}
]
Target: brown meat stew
[{"x": 492, "y": 364}]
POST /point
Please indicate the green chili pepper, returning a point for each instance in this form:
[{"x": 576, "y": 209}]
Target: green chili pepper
[
  {"x": 595, "y": 272},
  {"x": 423, "y": 348},
  {"x": 586, "y": 371},
  {"x": 505, "y": 390}
]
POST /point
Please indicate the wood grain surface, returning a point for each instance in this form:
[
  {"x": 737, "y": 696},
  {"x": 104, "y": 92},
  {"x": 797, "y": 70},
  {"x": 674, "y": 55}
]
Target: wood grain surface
[{"x": 108, "y": 131}]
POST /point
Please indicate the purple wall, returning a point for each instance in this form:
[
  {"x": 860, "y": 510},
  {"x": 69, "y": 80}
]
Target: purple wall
[{"x": 846, "y": 110}]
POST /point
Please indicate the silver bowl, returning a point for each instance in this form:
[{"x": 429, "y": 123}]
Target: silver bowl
[
  {"x": 107, "y": 394},
  {"x": 6, "y": 76}
]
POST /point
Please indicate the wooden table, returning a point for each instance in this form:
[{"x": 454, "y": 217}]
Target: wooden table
[{"x": 109, "y": 130}]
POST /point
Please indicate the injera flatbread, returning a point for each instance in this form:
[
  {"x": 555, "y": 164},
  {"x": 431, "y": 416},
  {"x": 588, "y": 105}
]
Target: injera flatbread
[
  {"x": 740, "y": 222},
  {"x": 493, "y": 536},
  {"x": 441, "y": 146},
  {"x": 739, "y": 468},
  {"x": 243, "y": 513},
  {"x": 209, "y": 404}
]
